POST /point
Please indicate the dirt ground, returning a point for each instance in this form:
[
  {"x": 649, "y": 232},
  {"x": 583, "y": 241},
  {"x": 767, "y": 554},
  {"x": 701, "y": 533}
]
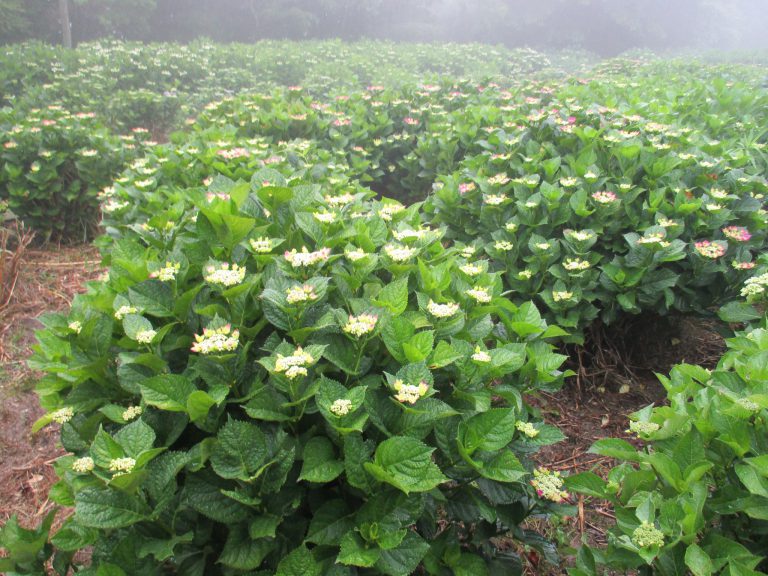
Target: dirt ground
[
  {"x": 47, "y": 281},
  {"x": 590, "y": 407}
]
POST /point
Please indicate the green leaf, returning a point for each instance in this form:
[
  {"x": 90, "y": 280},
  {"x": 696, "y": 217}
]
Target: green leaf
[
  {"x": 406, "y": 464},
  {"x": 405, "y": 558},
  {"x": 698, "y": 561},
  {"x": 489, "y": 431},
  {"x": 419, "y": 346},
  {"x": 394, "y": 296},
  {"x": 155, "y": 298},
  {"x": 299, "y": 563},
  {"x": 738, "y": 312},
  {"x": 108, "y": 509},
  {"x": 320, "y": 464},
  {"x": 135, "y": 438},
  {"x": 615, "y": 448},
  {"x": 331, "y": 521},
  {"x": 443, "y": 355},
  {"x": 198, "y": 405},
  {"x": 242, "y": 553},
  {"x": 587, "y": 483},
  {"x": 240, "y": 450},
  {"x": 355, "y": 552},
  {"x": 133, "y": 324},
  {"x": 72, "y": 536},
  {"x": 167, "y": 392},
  {"x": 264, "y": 526}
]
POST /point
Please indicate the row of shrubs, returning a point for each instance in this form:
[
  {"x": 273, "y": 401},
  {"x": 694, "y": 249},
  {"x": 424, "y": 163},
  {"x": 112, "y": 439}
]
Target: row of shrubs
[{"x": 284, "y": 373}]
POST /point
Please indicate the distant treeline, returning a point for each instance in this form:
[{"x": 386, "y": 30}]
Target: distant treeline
[{"x": 602, "y": 26}]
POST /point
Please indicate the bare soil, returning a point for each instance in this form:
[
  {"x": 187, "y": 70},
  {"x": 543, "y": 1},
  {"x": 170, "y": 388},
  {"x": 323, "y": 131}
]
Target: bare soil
[{"x": 48, "y": 280}]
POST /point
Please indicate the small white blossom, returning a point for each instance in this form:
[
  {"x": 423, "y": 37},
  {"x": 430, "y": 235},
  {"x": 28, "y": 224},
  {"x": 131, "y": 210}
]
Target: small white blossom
[
  {"x": 131, "y": 413},
  {"x": 83, "y": 465},
  {"x": 399, "y": 253},
  {"x": 442, "y": 310},
  {"x": 360, "y": 325},
  {"x": 408, "y": 393},
  {"x": 167, "y": 272},
  {"x": 225, "y": 275},
  {"x": 297, "y": 294},
  {"x": 212, "y": 340},
  {"x": 481, "y": 355},
  {"x": 480, "y": 294},
  {"x": 261, "y": 245},
  {"x": 122, "y": 466},
  {"x": 123, "y": 311},
  {"x": 341, "y": 407},
  {"x": 76, "y": 326},
  {"x": 145, "y": 336},
  {"x": 63, "y": 415},
  {"x": 305, "y": 257}
]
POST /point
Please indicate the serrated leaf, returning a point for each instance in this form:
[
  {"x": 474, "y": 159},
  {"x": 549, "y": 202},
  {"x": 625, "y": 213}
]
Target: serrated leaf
[
  {"x": 406, "y": 464},
  {"x": 320, "y": 464},
  {"x": 107, "y": 509}
]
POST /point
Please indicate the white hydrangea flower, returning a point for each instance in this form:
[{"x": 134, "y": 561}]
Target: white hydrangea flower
[
  {"x": 399, "y": 253},
  {"x": 261, "y": 245},
  {"x": 559, "y": 296},
  {"x": 76, "y": 326},
  {"x": 297, "y": 294},
  {"x": 225, "y": 274},
  {"x": 341, "y": 407},
  {"x": 295, "y": 364},
  {"x": 131, "y": 413},
  {"x": 479, "y": 294},
  {"x": 306, "y": 258},
  {"x": 360, "y": 325},
  {"x": 83, "y": 465},
  {"x": 167, "y": 272},
  {"x": 355, "y": 254},
  {"x": 503, "y": 245},
  {"x": 123, "y": 311},
  {"x": 408, "y": 393},
  {"x": 122, "y": 466},
  {"x": 471, "y": 269},
  {"x": 63, "y": 415},
  {"x": 145, "y": 336},
  {"x": 481, "y": 355},
  {"x": 442, "y": 310},
  {"x": 214, "y": 340}
]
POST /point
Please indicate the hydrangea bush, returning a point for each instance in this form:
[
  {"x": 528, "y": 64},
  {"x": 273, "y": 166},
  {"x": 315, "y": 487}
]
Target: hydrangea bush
[
  {"x": 258, "y": 390},
  {"x": 694, "y": 497}
]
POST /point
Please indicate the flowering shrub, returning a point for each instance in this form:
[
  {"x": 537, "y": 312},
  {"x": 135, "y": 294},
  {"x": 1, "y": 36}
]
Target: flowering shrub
[
  {"x": 695, "y": 495},
  {"x": 256, "y": 389},
  {"x": 53, "y": 164}
]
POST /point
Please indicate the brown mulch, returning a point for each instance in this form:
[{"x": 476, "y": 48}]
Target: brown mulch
[{"x": 48, "y": 280}]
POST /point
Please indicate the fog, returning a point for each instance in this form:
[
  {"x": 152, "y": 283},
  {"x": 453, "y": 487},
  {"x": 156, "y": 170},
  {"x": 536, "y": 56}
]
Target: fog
[{"x": 606, "y": 27}]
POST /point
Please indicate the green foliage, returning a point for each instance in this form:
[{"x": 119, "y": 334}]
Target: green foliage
[
  {"x": 696, "y": 494},
  {"x": 315, "y": 408}
]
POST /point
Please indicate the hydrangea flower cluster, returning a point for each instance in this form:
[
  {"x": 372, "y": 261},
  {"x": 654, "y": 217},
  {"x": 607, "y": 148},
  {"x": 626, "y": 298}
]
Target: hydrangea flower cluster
[
  {"x": 132, "y": 412},
  {"x": 295, "y": 364},
  {"x": 214, "y": 340},
  {"x": 737, "y": 233},
  {"x": 123, "y": 311},
  {"x": 225, "y": 274},
  {"x": 408, "y": 393},
  {"x": 76, "y": 326},
  {"x": 83, "y": 465},
  {"x": 481, "y": 355},
  {"x": 576, "y": 264},
  {"x": 167, "y": 272},
  {"x": 306, "y": 258},
  {"x": 399, "y": 253},
  {"x": 604, "y": 197},
  {"x": 360, "y": 325},
  {"x": 63, "y": 415},
  {"x": 647, "y": 536},
  {"x": 298, "y": 294},
  {"x": 261, "y": 245},
  {"x": 549, "y": 485},
  {"x": 755, "y": 287},
  {"x": 639, "y": 428},
  {"x": 479, "y": 294},
  {"x": 709, "y": 249},
  {"x": 442, "y": 310},
  {"x": 527, "y": 428},
  {"x": 122, "y": 466},
  {"x": 341, "y": 407},
  {"x": 560, "y": 295},
  {"x": 145, "y": 336},
  {"x": 471, "y": 269}
]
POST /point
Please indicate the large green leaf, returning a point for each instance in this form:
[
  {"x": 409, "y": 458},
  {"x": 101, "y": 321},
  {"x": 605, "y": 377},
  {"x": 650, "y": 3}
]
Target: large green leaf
[{"x": 406, "y": 464}]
